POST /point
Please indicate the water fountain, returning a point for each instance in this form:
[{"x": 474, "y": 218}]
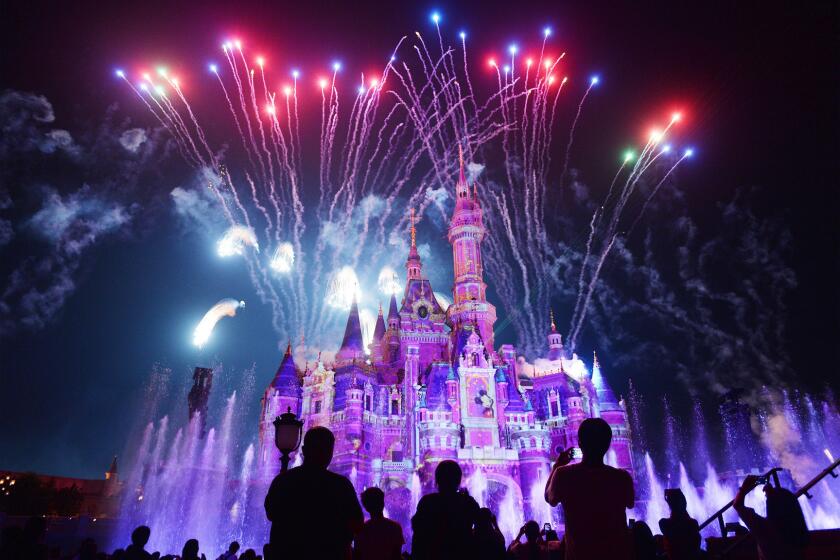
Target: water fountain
[{"x": 190, "y": 483}]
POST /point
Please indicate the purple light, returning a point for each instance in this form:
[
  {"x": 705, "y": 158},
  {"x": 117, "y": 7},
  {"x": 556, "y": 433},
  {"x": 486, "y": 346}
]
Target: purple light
[
  {"x": 547, "y": 31},
  {"x": 462, "y": 35},
  {"x": 119, "y": 73},
  {"x": 435, "y": 17},
  {"x": 594, "y": 80},
  {"x": 336, "y": 66},
  {"x": 689, "y": 152},
  {"x": 295, "y": 74},
  {"x": 512, "y": 49},
  {"x": 213, "y": 68}
]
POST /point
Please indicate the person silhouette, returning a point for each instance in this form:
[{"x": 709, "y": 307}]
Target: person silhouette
[
  {"x": 644, "y": 545},
  {"x": 594, "y": 497},
  {"x": 380, "y": 538},
  {"x": 444, "y": 519},
  {"x": 87, "y": 550},
  {"x": 488, "y": 540},
  {"x": 680, "y": 531},
  {"x": 313, "y": 512},
  {"x": 190, "y": 551},
  {"x": 137, "y": 549},
  {"x": 783, "y": 533},
  {"x": 230, "y": 553},
  {"x": 533, "y": 549}
]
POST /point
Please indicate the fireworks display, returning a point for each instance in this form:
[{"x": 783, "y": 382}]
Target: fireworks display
[
  {"x": 388, "y": 143},
  {"x": 235, "y": 239},
  {"x": 224, "y": 308}
]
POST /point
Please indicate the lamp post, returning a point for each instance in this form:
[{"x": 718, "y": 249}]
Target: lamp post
[{"x": 287, "y": 433}]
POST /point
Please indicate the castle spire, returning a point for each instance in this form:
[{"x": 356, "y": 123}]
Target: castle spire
[
  {"x": 352, "y": 346},
  {"x": 413, "y": 231},
  {"x": 112, "y": 470},
  {"x": 551, "y": 315},
  {"x": 286, "y": 379},
  {"x": 379, "y": 329},
  {"x": 462, "y": 177},
  {"x": 393, "y": 313},
  {"x": 413, "y": 265}
]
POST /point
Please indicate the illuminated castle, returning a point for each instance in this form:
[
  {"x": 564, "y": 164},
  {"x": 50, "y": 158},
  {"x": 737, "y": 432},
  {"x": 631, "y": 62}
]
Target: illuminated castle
[{"x": 432, "y": 386}]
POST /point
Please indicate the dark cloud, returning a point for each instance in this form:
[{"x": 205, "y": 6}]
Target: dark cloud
[
  {"x": 132, "y": 139},
  {"x": 61, "y": 195}
]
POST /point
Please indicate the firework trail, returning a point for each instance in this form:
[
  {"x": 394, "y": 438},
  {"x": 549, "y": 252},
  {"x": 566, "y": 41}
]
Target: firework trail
[
  {"x": 235, "y": 239},
  {"x": 381, "y": 149},
  {"x": 224, "y": 308}
]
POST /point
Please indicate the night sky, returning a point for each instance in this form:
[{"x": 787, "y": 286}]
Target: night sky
[{"x": 758, "y": 85}]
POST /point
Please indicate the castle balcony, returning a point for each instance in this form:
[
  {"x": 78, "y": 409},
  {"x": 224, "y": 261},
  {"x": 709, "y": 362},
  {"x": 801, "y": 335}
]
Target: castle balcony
[{"x": 487, "y": 454}]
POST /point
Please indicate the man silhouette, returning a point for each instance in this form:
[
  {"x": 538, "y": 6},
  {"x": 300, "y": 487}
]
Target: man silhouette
[
  {"x": 230, "y": 553},
  {"x": 380, "y": 538},
  {"x": 680, "y": 531},
  {"x": 137, "y": 549},
  {"x": 444, "y": 520},
  {"x": 594, "y": 497},
  {"x": 313, "y": 512},
  {"x": 534, "y": 549}
]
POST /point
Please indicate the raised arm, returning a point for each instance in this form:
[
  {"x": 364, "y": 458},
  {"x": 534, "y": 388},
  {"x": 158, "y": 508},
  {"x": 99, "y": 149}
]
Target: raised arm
[{"x": 552, "y": 490}]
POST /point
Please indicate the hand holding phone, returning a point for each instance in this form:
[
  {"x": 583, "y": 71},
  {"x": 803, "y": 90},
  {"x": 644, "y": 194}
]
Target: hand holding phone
[{"x": 565, "y": 457}]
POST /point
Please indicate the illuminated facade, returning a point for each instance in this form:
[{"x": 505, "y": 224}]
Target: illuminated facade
[{"x": 432, "y": 386}]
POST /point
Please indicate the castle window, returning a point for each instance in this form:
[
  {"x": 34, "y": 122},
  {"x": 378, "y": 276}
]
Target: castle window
[
  {"x": 554, "y": 408},
  {"x": 395, "y": 406},
  {"x": 316, "y": 407},
  {"x": 368, "y": 402}
]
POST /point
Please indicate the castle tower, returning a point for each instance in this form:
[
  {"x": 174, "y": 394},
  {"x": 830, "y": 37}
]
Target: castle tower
[
  {"x": 391, "y": 342},
  {"x": 199, "y": 395},
  {"x": 466, "y": 231},
  {"x": 111, "y": 473},
  {"x": 281, "y": 395}
]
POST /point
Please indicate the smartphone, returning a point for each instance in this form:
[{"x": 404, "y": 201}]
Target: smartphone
[{"x": 547, "y": 527}]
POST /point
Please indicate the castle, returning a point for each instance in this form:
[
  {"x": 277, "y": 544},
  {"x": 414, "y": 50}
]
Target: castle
[{"x": 432, "y": 386}]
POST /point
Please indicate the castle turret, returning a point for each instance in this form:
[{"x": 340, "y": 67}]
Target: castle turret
[
  {"x": 466, "y": 231},
  {"x": 283, "y": 394}
]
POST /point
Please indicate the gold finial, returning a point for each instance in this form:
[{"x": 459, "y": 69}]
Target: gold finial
[
  {"x": 553, "y": 326},
  {"x": 413, "y": 230},
  {"x": 595, "y": 363},
  {"x": 380, "y": 309}
]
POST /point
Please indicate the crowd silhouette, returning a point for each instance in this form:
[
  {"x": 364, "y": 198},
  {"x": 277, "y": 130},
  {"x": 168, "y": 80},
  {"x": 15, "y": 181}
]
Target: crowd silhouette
[{"x": 315, "y": 514}]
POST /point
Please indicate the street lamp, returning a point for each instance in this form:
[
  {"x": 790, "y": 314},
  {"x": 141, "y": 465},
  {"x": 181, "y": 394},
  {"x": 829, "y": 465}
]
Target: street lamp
[{"x": 287, "y": 433}]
